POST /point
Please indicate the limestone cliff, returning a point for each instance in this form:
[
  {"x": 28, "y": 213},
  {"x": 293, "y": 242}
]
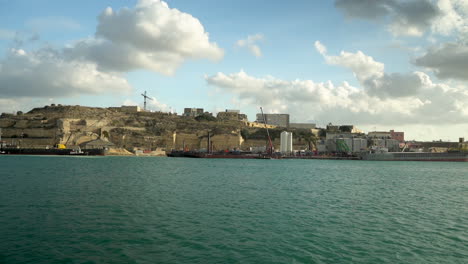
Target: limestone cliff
[{"x": 74, "y": 125}]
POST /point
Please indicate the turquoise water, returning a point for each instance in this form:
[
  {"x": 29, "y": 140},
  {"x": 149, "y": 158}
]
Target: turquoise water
[{"x": 163, "y": 210}]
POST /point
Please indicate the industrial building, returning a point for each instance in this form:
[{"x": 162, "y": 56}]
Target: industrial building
[
  {"x": 234, "y": 115},
  {"x": 193, "y": 112},
  {"x": 281, "y": 120},
  {"x": 399, "y": 136},
  {"x": 391, "y": 144},
  {"x": 303, "y": 125},
  {"x": 343, "y": 142},
  {"x": 126, "y": 108}
]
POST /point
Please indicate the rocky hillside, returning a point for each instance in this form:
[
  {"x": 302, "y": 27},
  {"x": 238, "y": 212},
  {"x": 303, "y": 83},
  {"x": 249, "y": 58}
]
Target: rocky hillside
[{"x": 74, "y": 125}]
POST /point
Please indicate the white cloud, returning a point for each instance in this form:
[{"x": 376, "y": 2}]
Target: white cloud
[
  {"x": 45, "y": 73},
  {"x": 251, "y": 43},
  {"x": 454, "y": 18},
  {"x": 129, "y": 102},
  {"x": 363, "y": 66},
  {"x": 10, "y": 105},
  {"x": 308, "y": 100},
  {"x": 152, "y": 104},
  {"x": 372, "y": 76},
  {"x": 320, "y": 47},
  {"x": 394, "y": 99},
  {"x": 155, "y": 105},
  {"x": 149, "y": 36}
]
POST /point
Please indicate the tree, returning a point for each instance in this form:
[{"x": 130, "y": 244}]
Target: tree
[
  {"x": 322, "y": 133},
  {"x": 205, "y": 117},
  {"x": 245, "y": 134}
]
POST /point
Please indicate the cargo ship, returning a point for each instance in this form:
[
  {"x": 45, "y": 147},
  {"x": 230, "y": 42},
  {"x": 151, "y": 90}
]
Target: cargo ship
[
  {"x": 416, "y": 156},
  {"x": 51, "y": 151},
  {"x": 220, "y": 155}
]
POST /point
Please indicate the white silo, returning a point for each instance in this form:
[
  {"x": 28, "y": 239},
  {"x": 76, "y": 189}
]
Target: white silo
[{"x": 286, "y": 142}]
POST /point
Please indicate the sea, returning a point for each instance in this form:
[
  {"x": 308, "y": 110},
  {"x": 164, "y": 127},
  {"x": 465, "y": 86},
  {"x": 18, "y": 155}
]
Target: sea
[{"x": 178, "y": 210}]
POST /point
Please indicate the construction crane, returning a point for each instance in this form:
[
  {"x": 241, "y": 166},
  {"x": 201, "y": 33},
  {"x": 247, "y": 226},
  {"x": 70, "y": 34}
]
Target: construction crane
[
  {"x": 145, "y": 97},
  {"x": 270, "y": 147}
]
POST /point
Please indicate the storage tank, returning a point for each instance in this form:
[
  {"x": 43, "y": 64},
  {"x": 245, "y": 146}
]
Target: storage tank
[
  {"x": 392, "y": 145},
  {"x": 321, "y": 146},
  {"x": 349, "y": 143},
  {"x": 359, "y": 144},
  {"x": 356, "y": 145},
  {"x": 286, "y": 142},
  {"x": 331, "y": 145}
]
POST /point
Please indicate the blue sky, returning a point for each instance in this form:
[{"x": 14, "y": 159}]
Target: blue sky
[{"x": 377, "y": 64}]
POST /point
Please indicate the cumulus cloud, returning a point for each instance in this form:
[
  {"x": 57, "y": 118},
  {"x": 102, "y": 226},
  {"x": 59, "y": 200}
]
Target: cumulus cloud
[
  {"x": 45, "y": 73},
  {"x": 449, "y": 60},
  {"x": 155, "y": 105},
  {"x": 251, "y": 43},
  {"x": 149, "y": 36},
  {"x": 454, "y": 18},
  {"x": 325, "y": 101},
  {"x": 371, "y": 74},
  {"x": 384, "y": 98},
  {"x": 407, "y": 18},
  {"x": 412, "y": 17}
]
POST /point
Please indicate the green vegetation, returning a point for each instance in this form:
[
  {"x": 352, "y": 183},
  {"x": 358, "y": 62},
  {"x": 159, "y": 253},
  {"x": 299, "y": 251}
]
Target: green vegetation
[
  {"x": 322, "y": 133},
  {"x": 306, "y": 135},
  {"x": 346, "y": 129},
  {"x": 205, "y": 117}
]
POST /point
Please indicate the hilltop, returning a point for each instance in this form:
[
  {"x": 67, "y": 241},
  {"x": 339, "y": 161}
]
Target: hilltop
[{"x": 128, "y": 128}]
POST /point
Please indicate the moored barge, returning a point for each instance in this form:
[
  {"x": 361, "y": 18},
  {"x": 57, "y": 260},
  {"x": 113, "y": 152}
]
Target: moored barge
[
  {"x": 417, "y": 156},
  {"x": 52, "y": 151}
]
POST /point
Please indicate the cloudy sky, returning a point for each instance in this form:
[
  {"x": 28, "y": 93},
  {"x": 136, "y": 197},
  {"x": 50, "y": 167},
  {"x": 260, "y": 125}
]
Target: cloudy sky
[{"x": 388, "y": 64}]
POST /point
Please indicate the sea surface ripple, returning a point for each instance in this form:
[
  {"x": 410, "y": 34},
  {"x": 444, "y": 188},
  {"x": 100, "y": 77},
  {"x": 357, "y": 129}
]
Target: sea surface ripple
[{"x": 170, "y": 210}]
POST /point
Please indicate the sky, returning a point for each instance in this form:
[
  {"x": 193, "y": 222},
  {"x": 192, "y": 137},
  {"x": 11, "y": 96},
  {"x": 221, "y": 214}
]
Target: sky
[{"x": 379, "y": 65}]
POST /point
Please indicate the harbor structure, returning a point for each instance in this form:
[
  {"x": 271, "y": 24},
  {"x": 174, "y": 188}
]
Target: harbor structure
[
  {"x": 97, "y": 144},
  {"x": 280, "y": 120},
  {"x": 384, "y": 155}
]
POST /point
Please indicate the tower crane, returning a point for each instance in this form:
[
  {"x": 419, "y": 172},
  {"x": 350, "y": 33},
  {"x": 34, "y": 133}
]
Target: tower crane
[{"x": 145, "y": 97}]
